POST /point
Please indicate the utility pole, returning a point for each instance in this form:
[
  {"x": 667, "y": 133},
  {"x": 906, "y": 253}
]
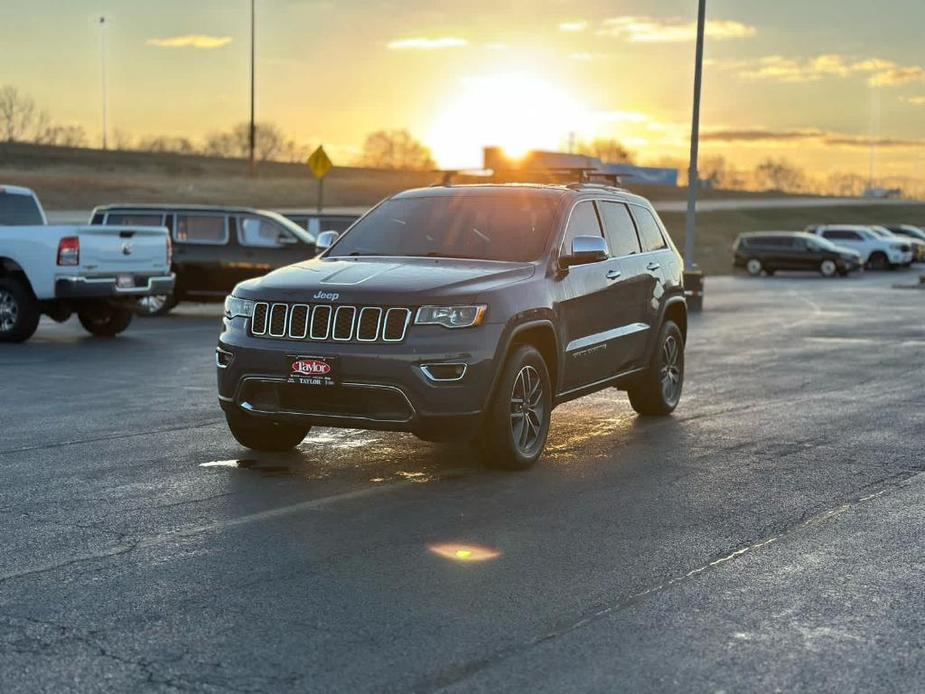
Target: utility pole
[
  {"x": 103, "y": 80},
  {"x": 253, "y": 129},
  {"x": 693, "y": 180}
]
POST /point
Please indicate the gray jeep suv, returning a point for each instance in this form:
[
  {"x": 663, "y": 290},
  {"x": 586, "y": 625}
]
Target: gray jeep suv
[{"x": 461, "y": 312}]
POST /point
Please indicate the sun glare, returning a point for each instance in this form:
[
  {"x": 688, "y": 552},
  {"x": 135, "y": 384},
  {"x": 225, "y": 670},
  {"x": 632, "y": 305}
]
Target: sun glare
[{"x": 516, "y": 112}]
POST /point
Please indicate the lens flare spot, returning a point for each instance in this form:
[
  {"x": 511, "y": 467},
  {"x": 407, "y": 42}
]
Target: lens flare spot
[{"x": 463, "y": 553}]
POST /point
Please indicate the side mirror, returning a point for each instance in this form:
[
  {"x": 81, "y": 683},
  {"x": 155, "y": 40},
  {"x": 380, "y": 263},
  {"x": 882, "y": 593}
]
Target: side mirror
[
  {"x": 325, "y": 240},
  {"x": 585, "y": 249}
]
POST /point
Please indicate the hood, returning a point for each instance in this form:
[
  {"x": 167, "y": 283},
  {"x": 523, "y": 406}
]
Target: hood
[
  {"x": 847, "y": 251},
  {"x": 383, "y": 281}
]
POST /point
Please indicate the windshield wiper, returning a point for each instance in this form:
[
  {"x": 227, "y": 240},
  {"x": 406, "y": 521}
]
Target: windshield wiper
[{"x": 436, "y": 254}]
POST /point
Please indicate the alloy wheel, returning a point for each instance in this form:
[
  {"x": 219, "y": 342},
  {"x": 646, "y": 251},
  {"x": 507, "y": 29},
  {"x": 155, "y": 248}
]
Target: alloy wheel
[
  {"x": 150, "y": 305},
  {"x": 671, "y": 372},
  {"x": 9, "y": 311},
  {"x": 828, "y": 268},
  {"x": 753, "y": 266},
  {"x": 528, "y": 410}
]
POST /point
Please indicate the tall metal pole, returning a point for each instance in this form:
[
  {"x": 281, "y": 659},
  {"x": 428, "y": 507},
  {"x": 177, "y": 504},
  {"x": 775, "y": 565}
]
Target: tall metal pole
[
  {"x": 103, "y": 80},
  {"x": 693, "y": 181},
  {"x": 253, "y": 128}
]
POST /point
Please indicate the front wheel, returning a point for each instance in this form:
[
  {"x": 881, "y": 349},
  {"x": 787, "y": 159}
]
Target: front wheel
[
  {"x": 155, "y": 305},
  {"x": 265, "y": 435},
  {"x": 105, "y": 320},
  {"x": 517, "y": 421},
  {"x": 754, "y": 267},
  {"x": 658, "y": 391},
  {"x": 879, "y": 261}
]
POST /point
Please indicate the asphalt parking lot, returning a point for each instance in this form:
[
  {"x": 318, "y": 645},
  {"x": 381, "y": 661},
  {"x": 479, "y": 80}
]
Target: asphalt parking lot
[{"x": 767, "y": 537}]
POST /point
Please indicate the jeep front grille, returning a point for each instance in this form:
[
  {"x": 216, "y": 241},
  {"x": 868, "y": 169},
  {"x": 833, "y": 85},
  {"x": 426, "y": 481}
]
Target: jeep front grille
[{"x": 321, "y": 323}]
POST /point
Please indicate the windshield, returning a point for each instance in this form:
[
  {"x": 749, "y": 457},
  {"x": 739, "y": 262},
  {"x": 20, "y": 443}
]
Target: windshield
[
  {"x": 512, "y": 227},
  {"x": 19, "y": 210}
]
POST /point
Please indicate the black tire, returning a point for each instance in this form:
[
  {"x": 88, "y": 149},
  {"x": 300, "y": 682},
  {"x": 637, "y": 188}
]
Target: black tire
[
  {"x": 878, "y": 261},
  {"x": 105, "y": 320},
  {"x": 515, "y": 428},
  {"x": 754, "y": 267},
  {"x": 19, "y": 311},
  {"x": 155, "y": 305},
  {"x": 657, "y": 392},
  {"x": 265, "y": 435}
]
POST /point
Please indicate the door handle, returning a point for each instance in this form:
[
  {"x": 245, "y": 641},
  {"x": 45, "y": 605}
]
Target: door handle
[
  {"x": 653, "y": 266},
  {"x": 614, "y": 275}
]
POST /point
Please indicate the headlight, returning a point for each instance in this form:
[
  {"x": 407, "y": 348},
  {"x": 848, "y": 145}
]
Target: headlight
[
  {"x": 238, "y": 307},
  {"x": 451, "y": 316}
]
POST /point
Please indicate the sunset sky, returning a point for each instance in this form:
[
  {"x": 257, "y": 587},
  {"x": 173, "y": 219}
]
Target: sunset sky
[{"x": 800, "y": 80}]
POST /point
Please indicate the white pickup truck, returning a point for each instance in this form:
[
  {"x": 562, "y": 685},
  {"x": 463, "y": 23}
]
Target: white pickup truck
[{"x": 95, "y": 271}]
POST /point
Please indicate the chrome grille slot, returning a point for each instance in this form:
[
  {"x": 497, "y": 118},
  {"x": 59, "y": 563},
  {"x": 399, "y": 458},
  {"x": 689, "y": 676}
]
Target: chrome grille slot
[
  {"x": 343, "y": 323},
  {"x": 298, "y": 321},
  {"x": 278, "y": 320},
  {"x": 321, "y": 323},
  {"x": 368, "y": 324},
  {"x": 259, "y": 321},
  {"x": 396, "y": 322}
]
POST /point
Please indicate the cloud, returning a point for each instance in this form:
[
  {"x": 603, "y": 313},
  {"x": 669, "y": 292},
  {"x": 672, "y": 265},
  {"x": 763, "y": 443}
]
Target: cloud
[
  {"x": 190, "y": 41},
  {"x": 654, "y": 30},
  {"x": 820, "y": 137},
  {"x": 426, "y": 44},
  {"x": 574, "y": 27},
  {"x": 878, "y": 71}
]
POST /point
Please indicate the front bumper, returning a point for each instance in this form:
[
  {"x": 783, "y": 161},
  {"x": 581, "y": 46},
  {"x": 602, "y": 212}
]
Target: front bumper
[
  {"x": 94, "y": 287},
  {"x": 379, "y": 386}
]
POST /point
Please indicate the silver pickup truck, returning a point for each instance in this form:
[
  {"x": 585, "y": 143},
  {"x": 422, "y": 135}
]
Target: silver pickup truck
[{"x": 93, "y": 271}]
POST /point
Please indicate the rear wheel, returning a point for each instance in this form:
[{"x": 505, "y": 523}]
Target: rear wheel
[
  {"x": 658, "y": 391},
  {"x": 19, "y": 311},
  {"x": 754, "y": 267},
  {"x": 517, "y": 421},
  {"x": 105, "y": 320},
  {"x": 265, "y": 435},
  {"x": 828, "y": 268},
  {"x": 879, "y": 261}
]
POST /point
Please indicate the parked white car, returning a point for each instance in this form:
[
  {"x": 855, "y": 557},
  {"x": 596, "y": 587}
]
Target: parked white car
[
  {"x": 96, "y": 272},
  {"x": 877, "y": 252},
  {"x": 916, "y": 244}
]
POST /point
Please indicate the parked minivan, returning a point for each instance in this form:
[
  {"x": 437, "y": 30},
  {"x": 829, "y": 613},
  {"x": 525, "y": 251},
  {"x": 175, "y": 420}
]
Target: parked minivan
[
  {"x": 214, "y": 247},
  {"x": 770, "y": 251}
]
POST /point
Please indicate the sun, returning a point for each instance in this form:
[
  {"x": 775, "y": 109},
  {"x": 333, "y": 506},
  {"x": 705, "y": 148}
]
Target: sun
[{"x": 515, "y": 111}]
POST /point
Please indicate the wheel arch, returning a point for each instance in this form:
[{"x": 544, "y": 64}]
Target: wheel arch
[
  {"x": 10, "y": 268},
  {"x": 537, "y": 333}
]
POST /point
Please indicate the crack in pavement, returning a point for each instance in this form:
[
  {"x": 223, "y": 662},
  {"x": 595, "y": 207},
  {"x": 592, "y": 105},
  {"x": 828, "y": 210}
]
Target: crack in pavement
[{"x": 461, "y": 672}]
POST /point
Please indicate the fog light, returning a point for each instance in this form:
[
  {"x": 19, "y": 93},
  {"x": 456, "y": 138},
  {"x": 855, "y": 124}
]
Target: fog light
[
  {"x": 444, "y": 372},
  {"x": 223, "y": 358}
]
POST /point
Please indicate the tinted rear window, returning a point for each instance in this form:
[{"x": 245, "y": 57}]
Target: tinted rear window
[
  {"x": 135, "y": 219},
  {"x": 512, "y": 227},
  {"x": 19, "y": 210}
]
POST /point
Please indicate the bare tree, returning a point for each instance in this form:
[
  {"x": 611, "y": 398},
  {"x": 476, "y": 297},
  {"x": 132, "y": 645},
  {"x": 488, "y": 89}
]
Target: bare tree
[
  {"x": 61, "y": 135},
  {"x": 395, "y": 149},
  {"x": 17, "y": 115},
  {"x": 271, "y": 144},
  {"x": 121, "y": 140},
  {"x": 162, "y": 143},
  {"x": 609, "y": 151},
  {"x": 780, "y": 175}
]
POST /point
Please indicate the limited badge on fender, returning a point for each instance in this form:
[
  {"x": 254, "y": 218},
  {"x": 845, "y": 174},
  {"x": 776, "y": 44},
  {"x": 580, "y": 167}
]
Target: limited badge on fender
[{"x": 311, "y": 371}]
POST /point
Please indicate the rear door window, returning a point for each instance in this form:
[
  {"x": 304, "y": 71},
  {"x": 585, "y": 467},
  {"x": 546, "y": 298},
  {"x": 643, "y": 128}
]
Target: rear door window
[
  {"x": 201, "y": 229},
  {"x": 650, "y": 233},
  {"x": 619, "y": 227},
  {"x": 134, "y": 219},
  {"x": 841, "y": 235},
  {"x": 19, "y": 210}
]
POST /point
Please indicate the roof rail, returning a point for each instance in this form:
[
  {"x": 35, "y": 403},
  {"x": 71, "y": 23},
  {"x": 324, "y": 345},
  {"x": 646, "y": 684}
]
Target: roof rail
[{"x": 573, "y": 178}]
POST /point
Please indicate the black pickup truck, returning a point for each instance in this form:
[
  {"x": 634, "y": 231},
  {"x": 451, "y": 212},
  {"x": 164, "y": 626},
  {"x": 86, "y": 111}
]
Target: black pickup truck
[{"x": 461, "y": 312}]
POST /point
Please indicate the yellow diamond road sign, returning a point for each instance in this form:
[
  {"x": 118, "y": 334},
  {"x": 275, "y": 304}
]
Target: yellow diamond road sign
[{"x": 319, "y": 163}]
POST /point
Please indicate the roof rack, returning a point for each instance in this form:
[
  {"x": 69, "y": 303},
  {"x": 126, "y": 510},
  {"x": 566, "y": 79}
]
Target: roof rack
[{"x": 573, "y": 178}]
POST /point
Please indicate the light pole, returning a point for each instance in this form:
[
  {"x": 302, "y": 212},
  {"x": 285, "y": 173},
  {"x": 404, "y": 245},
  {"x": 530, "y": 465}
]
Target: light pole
[
  {"x": 252, "y": 164},
  {"x": 693, "y": 181},
  {"x": 103, "y": 78}
]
